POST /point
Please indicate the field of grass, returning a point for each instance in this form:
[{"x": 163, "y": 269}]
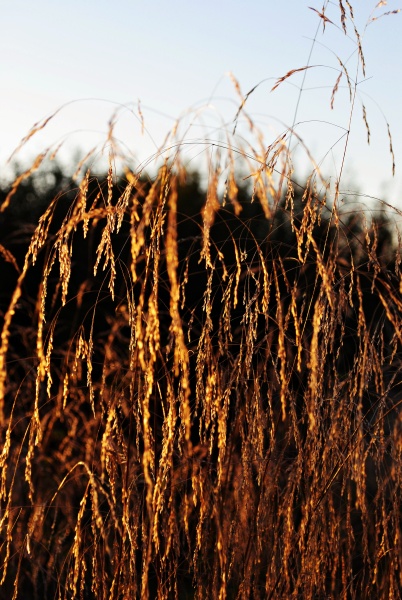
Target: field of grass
[{"x": 200, "y": 386}]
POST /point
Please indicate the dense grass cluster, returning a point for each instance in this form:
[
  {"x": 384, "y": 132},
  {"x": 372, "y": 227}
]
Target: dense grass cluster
[
  {"x": 215, "y": 411},
  {"x": 200, "y": 388}
]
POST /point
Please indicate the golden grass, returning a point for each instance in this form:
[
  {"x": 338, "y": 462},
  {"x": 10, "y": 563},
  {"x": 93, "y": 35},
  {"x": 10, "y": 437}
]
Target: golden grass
[{"x": 211, "y": 408}]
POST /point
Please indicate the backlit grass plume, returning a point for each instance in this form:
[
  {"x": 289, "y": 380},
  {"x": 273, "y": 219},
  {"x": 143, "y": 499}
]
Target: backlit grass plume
[{"x": 200, "y": 386}]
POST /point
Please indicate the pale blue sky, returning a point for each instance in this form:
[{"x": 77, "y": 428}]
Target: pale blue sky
[{"x": 176, "y": 54}]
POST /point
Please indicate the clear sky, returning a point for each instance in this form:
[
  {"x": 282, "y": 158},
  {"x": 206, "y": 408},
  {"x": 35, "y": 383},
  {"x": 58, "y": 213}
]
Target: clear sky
[{"x": 176, "y": 55}]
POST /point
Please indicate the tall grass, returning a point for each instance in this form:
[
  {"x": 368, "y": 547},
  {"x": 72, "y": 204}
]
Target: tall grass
[{"x": 199, "y": 396}]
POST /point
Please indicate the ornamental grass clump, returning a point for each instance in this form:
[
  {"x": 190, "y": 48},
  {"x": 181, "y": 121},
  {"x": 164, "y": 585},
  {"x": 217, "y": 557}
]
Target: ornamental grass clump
[{"x": 200, "y": 387}]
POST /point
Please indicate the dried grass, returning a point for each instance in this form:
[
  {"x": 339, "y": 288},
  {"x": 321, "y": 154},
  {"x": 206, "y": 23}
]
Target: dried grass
[{"x": 213, "y": 412}]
